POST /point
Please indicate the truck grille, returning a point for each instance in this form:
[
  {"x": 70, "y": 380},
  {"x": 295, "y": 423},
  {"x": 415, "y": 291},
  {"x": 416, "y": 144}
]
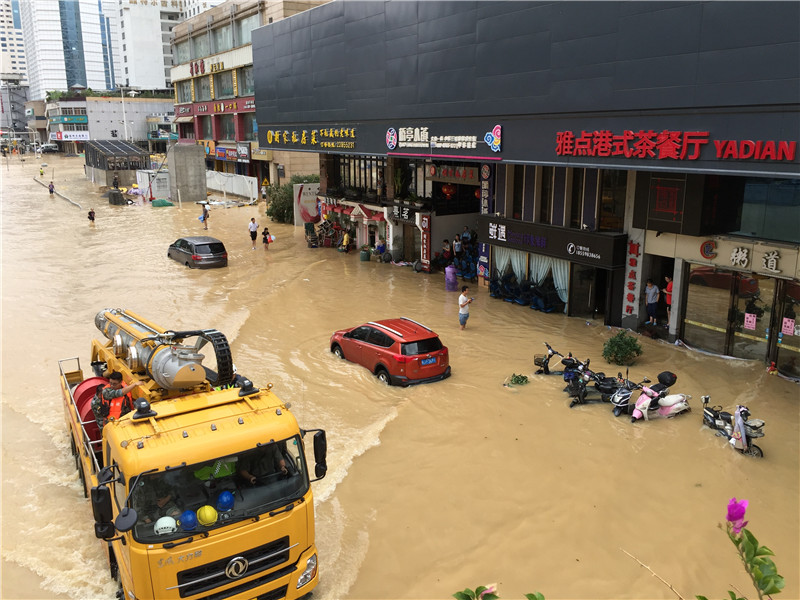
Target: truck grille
[{"x": 212, "y": 575}]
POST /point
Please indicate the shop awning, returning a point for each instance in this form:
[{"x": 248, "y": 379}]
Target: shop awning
[
  {"x": 377, "y": 217},
  {"x": 183, "y": 119},
  {"x": 367, "y": 212},
  {"x": 347, "y": 210}
]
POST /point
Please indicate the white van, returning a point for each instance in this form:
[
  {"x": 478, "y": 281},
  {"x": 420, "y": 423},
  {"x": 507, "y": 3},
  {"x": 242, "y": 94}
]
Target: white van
[{"x": 49, "y": 148}]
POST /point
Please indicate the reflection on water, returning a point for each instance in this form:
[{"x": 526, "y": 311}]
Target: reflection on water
[{"x": 430, "y": 489}]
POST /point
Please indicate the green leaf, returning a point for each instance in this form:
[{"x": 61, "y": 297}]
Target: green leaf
[
  {"x": 701, "y": 598},
  {"x": 490, "y": 596},
  {"x": 467, "y": 594},
  {"x": 748, "y": 548},
  {"x": 764, "y": 551},
  {"x": 732, "y": 595},
  {"x": 534, "y": 596},
  {"x": 750, "y": 537}
]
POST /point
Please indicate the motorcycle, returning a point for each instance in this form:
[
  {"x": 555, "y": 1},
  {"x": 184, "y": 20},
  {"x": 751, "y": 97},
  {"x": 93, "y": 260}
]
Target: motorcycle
[
  {"x": 738, "y": 428},
  {"x": 577, "y": 375},
  {"x": 621, "y": 398},
  {"x": 543, "y": 361},
  {"x": 654, "y": 402}
]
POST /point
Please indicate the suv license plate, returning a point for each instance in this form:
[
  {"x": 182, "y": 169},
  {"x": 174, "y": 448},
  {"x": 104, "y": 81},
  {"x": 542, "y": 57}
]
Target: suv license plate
[{"x": 428, "y": 361}]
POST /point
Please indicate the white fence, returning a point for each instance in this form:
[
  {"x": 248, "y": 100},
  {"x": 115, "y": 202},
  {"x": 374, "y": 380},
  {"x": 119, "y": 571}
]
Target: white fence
[{"x": 228, "y": 183}]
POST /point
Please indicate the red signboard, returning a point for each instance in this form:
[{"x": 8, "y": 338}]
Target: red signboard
[{"x": 219, "y": 107}]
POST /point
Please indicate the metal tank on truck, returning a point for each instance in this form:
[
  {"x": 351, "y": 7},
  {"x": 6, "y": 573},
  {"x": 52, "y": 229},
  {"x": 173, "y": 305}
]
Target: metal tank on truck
[{"x": 201, "y": 489}]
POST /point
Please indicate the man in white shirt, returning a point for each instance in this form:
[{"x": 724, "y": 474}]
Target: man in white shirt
[
  {"x": 253, "y": 227},
  {"x": 463, "y": 306}
]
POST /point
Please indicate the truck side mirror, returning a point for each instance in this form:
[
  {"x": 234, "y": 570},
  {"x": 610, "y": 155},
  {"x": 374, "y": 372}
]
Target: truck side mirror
[
  {"x": 320, "y": 454},
  {"x": 101, "y": 504},
  {"x": 126, "y": 519}
]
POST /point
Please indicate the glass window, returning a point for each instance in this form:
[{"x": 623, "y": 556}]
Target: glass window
[
  {"x": 184, "y": 90},
  {"x": 546, "y": 203},
  {"x": 227, "y": 131},
  {"x": 223, "y": 38},
  {"x": 245, "y": 27},
  {"x": 206, "y": 132},
  {"x": 771, "y": 209},
  {"x": 517, "y": 191},
  {"x": 249, "y": 126},
  {"x": 421, "y": 347},
  {"x": 223, "y": 84},
  {"x": 613, "y": 189},
  {"x": 201, "y": 48},
  {"x": 246, "y": 81},
  {"x": 259, "y": 480},
  {"x": 202, "y": 88},
  {"x": 576, "y": 199},
  {"x": 182, "y": 52}
]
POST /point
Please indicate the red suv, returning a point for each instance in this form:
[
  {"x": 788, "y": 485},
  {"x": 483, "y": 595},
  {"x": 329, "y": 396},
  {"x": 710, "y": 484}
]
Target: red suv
[{"x": 398, "y": 351}]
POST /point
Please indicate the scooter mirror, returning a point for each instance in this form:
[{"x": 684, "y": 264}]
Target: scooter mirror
[{"x": 645, "y": 380}]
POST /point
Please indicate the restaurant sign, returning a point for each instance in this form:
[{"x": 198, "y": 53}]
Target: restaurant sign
[{"x": 225, "y": 106}]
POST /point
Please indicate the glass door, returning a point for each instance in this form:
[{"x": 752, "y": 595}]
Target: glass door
[
  {"x": 787, "y": 329},
  {"x": 708, "y": 308},
  {"x": 582, "y": 289},
  {"x": 752, "y": 316}
]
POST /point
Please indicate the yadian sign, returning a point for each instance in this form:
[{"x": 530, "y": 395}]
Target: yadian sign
[{"x": 670, "y": 145}]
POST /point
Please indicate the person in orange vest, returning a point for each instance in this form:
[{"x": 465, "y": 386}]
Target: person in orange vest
[{"x": 113, "y": 400}]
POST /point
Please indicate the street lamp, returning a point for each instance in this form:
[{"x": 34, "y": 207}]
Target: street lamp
[
  {"x": 132, "y": 93},
  {"x": 37, "y": 147}
]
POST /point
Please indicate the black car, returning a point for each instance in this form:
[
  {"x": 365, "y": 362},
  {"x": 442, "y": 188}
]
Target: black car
[{"x": 202, "y": 251}]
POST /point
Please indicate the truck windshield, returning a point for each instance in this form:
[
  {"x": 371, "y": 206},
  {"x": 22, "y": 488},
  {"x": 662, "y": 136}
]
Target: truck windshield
[{"x": 196, "y": 498}]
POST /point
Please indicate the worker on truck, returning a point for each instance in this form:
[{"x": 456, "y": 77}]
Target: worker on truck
[{"x": 113, "y": 400}]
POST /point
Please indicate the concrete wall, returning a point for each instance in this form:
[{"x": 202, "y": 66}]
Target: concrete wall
[{"x": 187, "y": 168}]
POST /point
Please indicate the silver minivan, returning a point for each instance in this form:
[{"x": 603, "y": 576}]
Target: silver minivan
[{"x": 201, "y": 252}]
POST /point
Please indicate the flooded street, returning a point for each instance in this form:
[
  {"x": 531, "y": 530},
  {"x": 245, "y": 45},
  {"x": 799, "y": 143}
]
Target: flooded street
[{"x": 430, "y": 489}]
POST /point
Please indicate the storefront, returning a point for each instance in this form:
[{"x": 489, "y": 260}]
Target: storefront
[{"x": 584, "y": 268}]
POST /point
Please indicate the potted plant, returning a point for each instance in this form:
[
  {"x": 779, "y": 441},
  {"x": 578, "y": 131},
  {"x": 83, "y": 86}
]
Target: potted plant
[{"x": 365, "y": 252}]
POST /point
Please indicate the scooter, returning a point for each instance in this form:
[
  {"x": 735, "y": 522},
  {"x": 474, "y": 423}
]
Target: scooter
[
  {"x": 621, "y": 398},
  {"x": 738, "y": 428},
  {"x": 543, "y": 361},
  {"x": 653, "y": 402}
]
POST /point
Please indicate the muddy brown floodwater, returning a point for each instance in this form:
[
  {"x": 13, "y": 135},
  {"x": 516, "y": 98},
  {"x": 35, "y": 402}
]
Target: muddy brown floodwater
[{"x": 430, "y": 489}]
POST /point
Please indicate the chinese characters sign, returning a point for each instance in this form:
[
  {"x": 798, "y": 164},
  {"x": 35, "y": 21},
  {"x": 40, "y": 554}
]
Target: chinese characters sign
[
  {"x": 331, "y": 138},
  {"x": 631, "y": 278},
  {"x": 668, "y": 145}
]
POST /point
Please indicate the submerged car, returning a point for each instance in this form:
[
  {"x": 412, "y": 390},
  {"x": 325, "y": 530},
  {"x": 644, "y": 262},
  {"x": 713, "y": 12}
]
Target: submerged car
[
  {"x": 200, "y": 252},
  {"x": 397, "y": 351}
]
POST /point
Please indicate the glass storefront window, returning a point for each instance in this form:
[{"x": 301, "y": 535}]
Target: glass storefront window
[
  {"x": 707, "y": 308},
  {"x": 206, "y": 132},
  {"x": 223, "y": 84},
  {"x": 182, "y": 52},
  {"x": 613, "y": 189},
  {"x": 246, "y": 82},
  {"x": 771, "y": 209},
  {"x": 752, "y": 317},
  {"x": 227, "y": 131},
  {"x": 249, "y": 128},
  {"x": 184, "y": 89},
  {"x": 201, "y": 46},
  {"x": 202, "y": 88},
  {"x": 546, "y": 204},
  {"x": 576, "y": 199},
  {"x": 788, "y": 325},
  {"x": 245, "y": 27},
  {"x": 223, "y": 38}
]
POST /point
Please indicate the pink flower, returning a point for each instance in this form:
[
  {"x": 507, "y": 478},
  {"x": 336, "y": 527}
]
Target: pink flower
[
  {"x": 490, "y": 589},
  {"x": 735, "y": 516}
]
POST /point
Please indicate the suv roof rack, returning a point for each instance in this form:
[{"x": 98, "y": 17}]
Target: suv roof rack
[
  {"x": 397, "y": 333},
  {"x": 417, "y": 323}
]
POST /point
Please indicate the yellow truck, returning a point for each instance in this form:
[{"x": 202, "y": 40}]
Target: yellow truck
[{"x": 202, "y": 490}]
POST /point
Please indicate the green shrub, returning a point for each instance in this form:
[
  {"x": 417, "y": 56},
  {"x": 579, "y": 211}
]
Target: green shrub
[{"x": 622, "y": 349}]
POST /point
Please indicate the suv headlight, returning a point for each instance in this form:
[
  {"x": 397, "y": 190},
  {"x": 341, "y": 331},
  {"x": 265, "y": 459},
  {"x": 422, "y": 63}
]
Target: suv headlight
[{"x": 309, "y": 573}]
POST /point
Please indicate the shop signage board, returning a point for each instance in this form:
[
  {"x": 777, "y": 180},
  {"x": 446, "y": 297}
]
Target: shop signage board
[
  {"x": 594, "y": 249},
  {"x": 486, "y": 188},
  {"x": 243, "y": 152},
  {"x": 70, "y": 136},
  {"x": 631, "y": 277},
  {"x": 736, "y": 255},
  {"x": 405, "y": 213},
  {"x": 484, "y": 270},
  {"x": 218, "y": 107}
]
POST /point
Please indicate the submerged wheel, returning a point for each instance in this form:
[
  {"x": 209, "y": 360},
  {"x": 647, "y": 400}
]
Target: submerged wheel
[
  {"x": 337, "y": 351},
  {"x": 753, "y": 451},
  {"x": 383, "y": 376}
]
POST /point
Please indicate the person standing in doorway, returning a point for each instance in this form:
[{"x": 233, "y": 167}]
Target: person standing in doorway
[
  {"x": 264, "y": 191},
  {"x": 253, "y": 227},
  {"x": 651, "y": 296},
  {"x": 52, "y": 189},
  {"x": 668, "y": 297},
  {"x": 463, "y": 306},
  {"x": 205, "y": 216}
]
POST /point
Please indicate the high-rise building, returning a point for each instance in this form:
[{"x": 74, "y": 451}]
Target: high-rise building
[
  {"x": 69, "y": 44},
  {"x": 144, "y": 41},
  {"x": 12, "y": 47}
]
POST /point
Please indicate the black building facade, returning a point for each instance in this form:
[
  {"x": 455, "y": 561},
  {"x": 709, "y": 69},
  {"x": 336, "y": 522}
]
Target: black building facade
[{"x": 593, "y": 145}]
